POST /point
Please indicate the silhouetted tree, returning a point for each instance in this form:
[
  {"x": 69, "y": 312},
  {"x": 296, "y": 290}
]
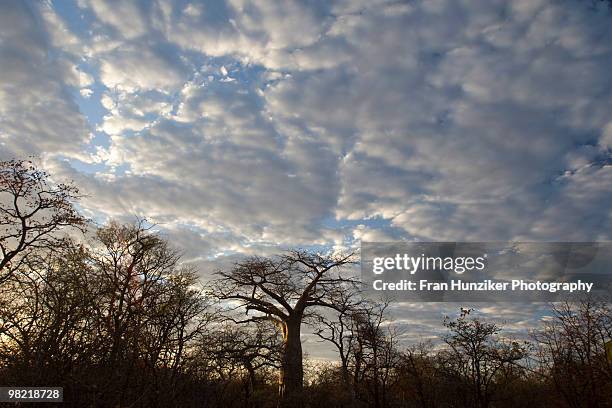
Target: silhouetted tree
[
  {"x": 417, "y": 372},
  {"x": 572, "y": 353},
  {"x": 375, "y": 351},
  {"x": 285, "y": 290},
  {"x": 478, "y": 354},
  {"x": 45, "y": 313},
  {"x": 248, "y": 349},
  {"x": 339, "y": 330},
  {"x": 32, "y": 213}
]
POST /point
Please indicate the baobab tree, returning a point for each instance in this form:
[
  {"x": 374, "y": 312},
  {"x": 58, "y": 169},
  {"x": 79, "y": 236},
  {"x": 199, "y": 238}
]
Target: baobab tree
[{"x": 287, "y": 290}]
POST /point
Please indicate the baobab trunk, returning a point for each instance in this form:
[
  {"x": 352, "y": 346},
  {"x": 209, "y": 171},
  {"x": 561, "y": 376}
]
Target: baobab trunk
[{"x": 291, "y": 374}]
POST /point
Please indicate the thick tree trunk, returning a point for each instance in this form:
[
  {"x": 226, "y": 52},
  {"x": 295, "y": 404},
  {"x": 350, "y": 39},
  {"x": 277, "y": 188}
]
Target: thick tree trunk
[{"x": 292, "y": 373}]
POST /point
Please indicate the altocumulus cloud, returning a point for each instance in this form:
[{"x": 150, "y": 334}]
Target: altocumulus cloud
[{"x": 240, "y": 125}]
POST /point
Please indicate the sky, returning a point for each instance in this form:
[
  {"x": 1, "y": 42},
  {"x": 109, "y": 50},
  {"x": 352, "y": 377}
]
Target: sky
[{"x": 245, "y": 126}]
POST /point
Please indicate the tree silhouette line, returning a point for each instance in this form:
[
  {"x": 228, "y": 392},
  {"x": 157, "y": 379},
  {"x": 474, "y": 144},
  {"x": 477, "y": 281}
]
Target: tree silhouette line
[{"x": 111, "y": 314}]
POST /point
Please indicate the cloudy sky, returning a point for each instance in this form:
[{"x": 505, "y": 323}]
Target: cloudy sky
[{"x": 242, "y": 125}]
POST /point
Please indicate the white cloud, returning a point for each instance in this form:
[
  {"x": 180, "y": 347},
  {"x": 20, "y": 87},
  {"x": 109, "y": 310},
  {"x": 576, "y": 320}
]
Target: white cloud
[
  {"x": 37, "y": 114},
  {"x": 133, "y": 68},
  {"x": 128, "y": 18}
]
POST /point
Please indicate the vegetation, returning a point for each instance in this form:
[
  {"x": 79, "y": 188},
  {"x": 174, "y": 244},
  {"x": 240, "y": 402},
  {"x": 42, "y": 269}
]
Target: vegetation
[{"x": 116, "y": 319}]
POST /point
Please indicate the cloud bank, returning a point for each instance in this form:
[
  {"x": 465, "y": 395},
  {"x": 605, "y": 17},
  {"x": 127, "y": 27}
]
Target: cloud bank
[{"x": 240, "y": 125}]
